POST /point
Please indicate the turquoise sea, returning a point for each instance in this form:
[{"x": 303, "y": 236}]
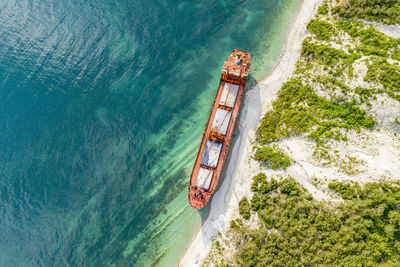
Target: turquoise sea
[{"x": 102, "y": 108}]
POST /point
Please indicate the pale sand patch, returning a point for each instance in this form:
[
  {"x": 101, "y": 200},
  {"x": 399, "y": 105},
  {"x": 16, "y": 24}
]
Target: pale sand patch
[
  {"x": 241, "y": 168},
  {"x": 392, "y": 30}
]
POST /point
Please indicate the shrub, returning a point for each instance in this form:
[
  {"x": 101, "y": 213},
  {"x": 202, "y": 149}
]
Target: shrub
[
  {"x": 386, "y": 74},
  {"x": 244, "y": 208},
  {"x": 290, "y": 187},
  {"x": 234, "y": 225},
  {"x": 255, "y": 202},
  {"x": 346, "y": 191},
  {"x": 299, "y": 109},
  {"x": 273, "y": 157},
  {"x": 323, "y": 9},
  {"x": 325, "y": 54},
  {"x": 323, "y": 30},
  {"x": 296, "y": 231},
  {"x": 387, "y": 11},
  {"x": 267, "y": 187},
  {"x": 256, "y": 180}
]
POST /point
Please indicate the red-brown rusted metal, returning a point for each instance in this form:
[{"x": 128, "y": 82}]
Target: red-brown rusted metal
[{"x": 235, "y": 72}]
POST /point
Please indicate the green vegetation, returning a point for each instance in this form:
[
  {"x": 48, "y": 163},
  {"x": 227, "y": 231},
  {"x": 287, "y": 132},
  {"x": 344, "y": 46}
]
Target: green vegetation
[
  {"x": 346, "y": 191},
  {"x": 380, "y": 47},
  {"x": 296, "y": 230},
  {"x": 372, "y": 42},
  {"x": 322, "y": 29},
  {"x": 299, "y": 109},
  {"x": 244, "y": 208},
  {"x": 387, "y": 11},
  {"x": 257, "y": 179},
  {"x": 386, "y": 74},
  {"x": 323, "y": 9},
  {"x": 273, "y": 157},
  {"x": 322, "y": 102},
  {"x": 327, "y": 55}
]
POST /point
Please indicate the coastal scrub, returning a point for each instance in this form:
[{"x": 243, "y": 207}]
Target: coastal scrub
[
  {"x": 342, "y": 101},
  {"x": 387, "y": 11},
  {"x": 297, "y": 230},
  {"x": 273, "y": 157}
]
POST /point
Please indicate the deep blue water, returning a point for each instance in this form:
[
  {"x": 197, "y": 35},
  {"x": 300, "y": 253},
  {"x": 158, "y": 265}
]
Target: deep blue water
[{"x": 102, "y": 107}]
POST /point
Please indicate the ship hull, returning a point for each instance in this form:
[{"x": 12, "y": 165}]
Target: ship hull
[{"x": 219, "y": 128}]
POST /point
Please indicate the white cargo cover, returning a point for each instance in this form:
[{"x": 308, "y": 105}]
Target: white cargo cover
[
  {"x": 230, "y": 101},
  {"x": 211, "y": 158},
  {"x": 219, "y": 122},
  {"x": 235, "y": 72},
  {"x": 201, "y": 178}
]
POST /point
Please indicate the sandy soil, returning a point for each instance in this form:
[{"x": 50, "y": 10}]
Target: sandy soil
[
  {"x": 390, "y": 30},
  {"x": 241, "y": 168}
]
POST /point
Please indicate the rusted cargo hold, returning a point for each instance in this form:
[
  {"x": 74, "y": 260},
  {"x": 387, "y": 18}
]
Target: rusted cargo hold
[{"x": 217, "y": 134}]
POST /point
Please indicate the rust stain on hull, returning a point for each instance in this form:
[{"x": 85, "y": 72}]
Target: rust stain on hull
[{"x": 217, "y": 134}]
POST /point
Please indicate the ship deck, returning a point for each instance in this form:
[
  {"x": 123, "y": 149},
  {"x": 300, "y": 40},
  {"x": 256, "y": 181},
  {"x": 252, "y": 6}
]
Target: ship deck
[{"x": 219, "y": 128}]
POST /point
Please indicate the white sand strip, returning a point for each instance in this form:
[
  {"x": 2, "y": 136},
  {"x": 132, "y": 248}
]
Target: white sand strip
[{"x": 240, "y": 169}]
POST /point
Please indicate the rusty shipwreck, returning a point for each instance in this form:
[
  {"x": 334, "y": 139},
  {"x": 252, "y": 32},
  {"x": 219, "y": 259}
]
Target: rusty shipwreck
[{"x": 217, "y": 134}]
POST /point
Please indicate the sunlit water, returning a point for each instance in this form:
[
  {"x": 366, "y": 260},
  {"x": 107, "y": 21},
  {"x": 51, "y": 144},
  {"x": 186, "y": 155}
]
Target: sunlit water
[{"x": 102, "y": 109}]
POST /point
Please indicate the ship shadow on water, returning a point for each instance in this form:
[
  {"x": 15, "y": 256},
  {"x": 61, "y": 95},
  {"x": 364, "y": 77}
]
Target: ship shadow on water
[{"x": 249, "y": 114}]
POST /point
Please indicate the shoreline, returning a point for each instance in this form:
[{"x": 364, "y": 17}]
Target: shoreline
[{"x": 240, "y": 169}]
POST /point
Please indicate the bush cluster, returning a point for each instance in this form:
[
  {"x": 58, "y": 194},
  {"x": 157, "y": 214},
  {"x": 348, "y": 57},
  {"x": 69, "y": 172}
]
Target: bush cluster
[
  {"x": 387, "y": 11},
  {"x": 326, "y": 55},
  {"x": 386, "y": 74},
  {"x": 273, "y": 157},
  {"x": 380, "y": 47},
  {"x": 323, "y": 30},
  {"x": 244, "y": 208},
  {"x": 346, "y": 191},
  {"x": 323, "y": 9},
  {"x": 297, "y": 230},
  {"x": 372, "y": 42},
  {"x": 299, "y": 109}
]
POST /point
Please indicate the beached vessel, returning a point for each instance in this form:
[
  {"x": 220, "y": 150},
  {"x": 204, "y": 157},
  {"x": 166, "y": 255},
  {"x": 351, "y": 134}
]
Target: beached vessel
[{"x": 217, "y": 134}]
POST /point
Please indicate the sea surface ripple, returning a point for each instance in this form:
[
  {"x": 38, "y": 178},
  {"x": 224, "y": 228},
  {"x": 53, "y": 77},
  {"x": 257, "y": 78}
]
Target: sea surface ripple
[{"x": 102, "y": 108}]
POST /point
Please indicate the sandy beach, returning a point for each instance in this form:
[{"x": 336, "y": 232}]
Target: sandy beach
[{"x": 241, "y": 169}]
